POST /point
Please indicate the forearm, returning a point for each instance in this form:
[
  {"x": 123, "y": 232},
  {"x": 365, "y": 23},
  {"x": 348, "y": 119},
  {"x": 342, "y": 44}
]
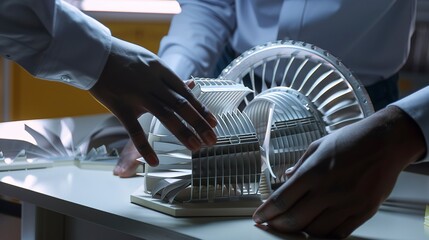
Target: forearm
[{"x": 53, "y": 40}]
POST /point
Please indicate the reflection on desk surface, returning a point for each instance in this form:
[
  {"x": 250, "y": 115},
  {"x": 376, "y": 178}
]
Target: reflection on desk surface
[
  {"x": 102, "y": 199},
  {"x": 99, "y": 198}
]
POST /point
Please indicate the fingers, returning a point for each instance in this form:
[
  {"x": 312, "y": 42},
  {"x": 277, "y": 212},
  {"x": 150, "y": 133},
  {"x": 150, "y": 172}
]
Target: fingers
[
  {"x": 179, "y": 129},
  {"x": 281, "y": 200},
  {"x": 127, "y": 163},
  {"x": 334, "y": 216},
  {"x": 185, "y": 110},
  {"x": 289, "y": 193},
  {"x": 190, "y": 84},
  {"x": 299, "y": 215},
  {"x": 324, "y": 224},
  {"x": 327, "y": 222},
  {"x": 138, "y": 137},
  {"x": 353, "y": 222},
  {"x": 184, "y": 91},
  {"x": 338, "y": 222},
  {"x": 144, "y": 148},
  {"x": 308, "y": 217},
  {"x": 126, "y": 167},
  {"x": 322, "y": 216}
]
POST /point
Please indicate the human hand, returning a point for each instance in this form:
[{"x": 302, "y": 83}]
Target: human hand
[
  {"x": 134, "y": 81},
  {"x": 342, "y": 178},
  {"x": 127, "y": 163}
]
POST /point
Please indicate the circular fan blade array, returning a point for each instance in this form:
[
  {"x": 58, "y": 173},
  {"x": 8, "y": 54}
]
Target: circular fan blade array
[{"x": 329, "y": 86}]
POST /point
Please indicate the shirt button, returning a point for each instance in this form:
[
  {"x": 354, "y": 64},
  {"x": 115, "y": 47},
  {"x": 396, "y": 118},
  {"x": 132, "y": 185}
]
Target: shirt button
[{"x": 65, "y": 78}]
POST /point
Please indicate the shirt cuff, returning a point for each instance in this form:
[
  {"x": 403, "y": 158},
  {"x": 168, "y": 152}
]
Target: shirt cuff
[
  {"x": 78, "y": 51},
  {"x": 416, "y": 106}
]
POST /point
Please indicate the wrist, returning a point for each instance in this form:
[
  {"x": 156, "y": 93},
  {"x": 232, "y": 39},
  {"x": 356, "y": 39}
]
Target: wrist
[{"x": 409, "y": 143}]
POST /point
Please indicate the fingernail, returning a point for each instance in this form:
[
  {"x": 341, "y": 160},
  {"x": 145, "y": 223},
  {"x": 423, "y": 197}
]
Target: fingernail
[
  {"x": 190, "y": 83},
  {"x": 152, "y": 160},
  {"x": 262, "y": 227},
  {"x": 194, "y": 143},
  {"x": 212, "y": 120},
  {"x": 209, "y": 137},
  {"x": 289, "y": 170},
  {"x": 257, "y": 219},
  {"x": 118, "y": 170}
]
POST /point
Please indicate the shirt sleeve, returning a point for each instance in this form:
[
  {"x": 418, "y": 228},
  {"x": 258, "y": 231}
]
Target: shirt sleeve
[
  {"x": 54, "y": 41},
  {"x": 197, "y": 35},
  {"x": 416, "y": 105}
]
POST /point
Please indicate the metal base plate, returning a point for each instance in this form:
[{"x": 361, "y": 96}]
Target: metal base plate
[{"x": 200, "y": 209}]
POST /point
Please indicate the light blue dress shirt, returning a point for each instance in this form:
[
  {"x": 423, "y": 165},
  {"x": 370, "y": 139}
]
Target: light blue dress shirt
[
  {"x": 371, "y": 37},
  {"x": 49, "y": 38},
  {"x": 54, "y": 41}
]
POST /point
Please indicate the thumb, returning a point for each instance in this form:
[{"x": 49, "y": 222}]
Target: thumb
[
  {"x": 127, "y": 163},
  {"x": 144, "y": 148}
]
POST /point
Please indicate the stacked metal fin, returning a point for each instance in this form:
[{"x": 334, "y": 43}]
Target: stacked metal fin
[
  {"x": 323, "y": 79},
  {"x": 294, "y": 124},
  {"x": 232, "y": 167},
  {"x": 316, "y": 95},
  {"x": 220, "y": 96},
  {"x": 300, "y": 93}
]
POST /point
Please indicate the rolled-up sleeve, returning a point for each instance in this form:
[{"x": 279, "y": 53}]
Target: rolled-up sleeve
[
  {"x": 416, "y": 106},
  {"x": 54, "y": 41}
]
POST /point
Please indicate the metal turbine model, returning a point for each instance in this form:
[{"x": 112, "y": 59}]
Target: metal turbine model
[{"x": 271, "y": 103}]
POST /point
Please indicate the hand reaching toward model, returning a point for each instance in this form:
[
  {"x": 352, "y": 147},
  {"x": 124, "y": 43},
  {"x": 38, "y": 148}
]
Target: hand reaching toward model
[{"x": 134, "y": 82}]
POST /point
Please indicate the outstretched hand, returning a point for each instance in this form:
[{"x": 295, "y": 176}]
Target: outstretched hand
[
  {"x": 127, "y": 163},
  {"x": 134, "y": 82},
  {"x": 342, "y": 179}
]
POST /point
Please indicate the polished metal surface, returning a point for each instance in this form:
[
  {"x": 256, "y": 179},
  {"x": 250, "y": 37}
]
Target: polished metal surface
[
  {"x": 271, "y": 103},
  {"x": 322, "y": 78},
  {"x": 300, "y": 93},
  {"x": 229, "y": 169},
  {"x": 286, "y": 123}
]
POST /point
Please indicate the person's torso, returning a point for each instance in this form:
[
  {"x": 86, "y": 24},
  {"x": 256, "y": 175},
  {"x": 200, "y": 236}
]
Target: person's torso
[{"x": 371, "y": 37}]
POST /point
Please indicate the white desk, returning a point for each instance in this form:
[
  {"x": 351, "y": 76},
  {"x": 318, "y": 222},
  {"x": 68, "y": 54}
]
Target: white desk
[{"x": 92, "y": 204}]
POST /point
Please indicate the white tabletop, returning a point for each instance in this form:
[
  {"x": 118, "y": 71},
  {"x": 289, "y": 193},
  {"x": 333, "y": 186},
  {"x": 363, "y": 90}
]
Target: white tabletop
[{"x": 102, "y": 198}]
